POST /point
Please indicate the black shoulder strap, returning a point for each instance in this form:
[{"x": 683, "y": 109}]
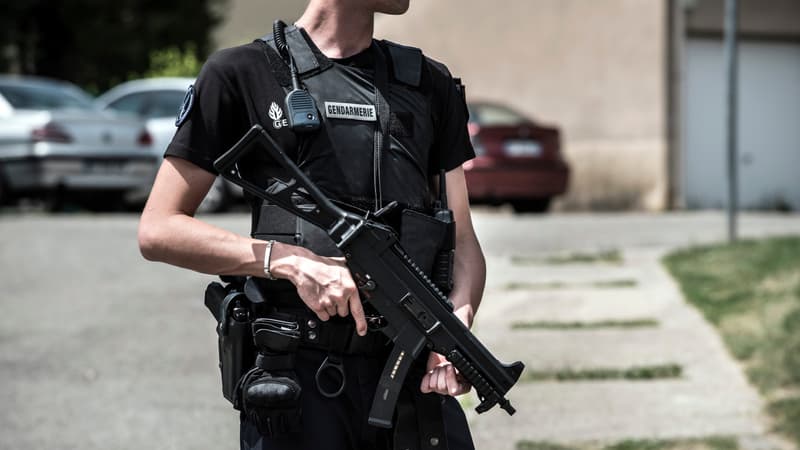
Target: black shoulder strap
[
  {"x": 406, "y": 62},
  {"x": 308, "y": 59},
  {"x": 381, "y": 140},
  {"x": 279, "y": 67}
]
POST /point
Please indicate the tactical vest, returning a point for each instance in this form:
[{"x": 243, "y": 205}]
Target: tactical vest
[{"x": 374, "y": 143}]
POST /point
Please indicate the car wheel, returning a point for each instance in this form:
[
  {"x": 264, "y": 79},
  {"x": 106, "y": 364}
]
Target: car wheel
[
  {"x": 4, "y": 197},
  {"x": 102, "y": 202},
  {"x": 531, "y": 205},
  {"x": 217, "y": 199},
  {"x": 54, "y": 201}
]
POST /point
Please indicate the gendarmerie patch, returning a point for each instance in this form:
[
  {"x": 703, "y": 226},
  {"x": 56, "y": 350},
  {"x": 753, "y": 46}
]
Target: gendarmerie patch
[
  {"x": 350, "y": 111},
  {"x": 186, "y": 106}
]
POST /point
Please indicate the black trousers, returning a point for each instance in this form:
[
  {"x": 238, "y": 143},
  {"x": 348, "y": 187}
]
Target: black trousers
[{"x": 341, "y": 423}]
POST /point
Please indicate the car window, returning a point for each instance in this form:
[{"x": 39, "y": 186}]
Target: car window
[
  {"x": 164, "y": 104},
  {"x": 132, "y": 103},
  {"x": 495, "y": 115},
  {"x": 44, "y": 96}
]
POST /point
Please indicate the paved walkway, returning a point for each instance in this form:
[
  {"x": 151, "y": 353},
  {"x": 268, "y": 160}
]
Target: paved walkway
[
  {"x": 711, "y": 398},
  {"x": 101, "y": 350}
]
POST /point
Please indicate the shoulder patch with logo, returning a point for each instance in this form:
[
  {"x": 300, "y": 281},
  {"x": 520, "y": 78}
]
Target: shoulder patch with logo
[
  {"x": 351, "y": 111},
  {"x": 186, "y": 106},
  {"x": 276, "y": 114}
]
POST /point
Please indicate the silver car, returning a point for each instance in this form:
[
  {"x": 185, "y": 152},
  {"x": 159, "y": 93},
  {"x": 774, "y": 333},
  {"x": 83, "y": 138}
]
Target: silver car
[
  {"x": 157, "y": 100},
  {"x": 55, "y": 143}
]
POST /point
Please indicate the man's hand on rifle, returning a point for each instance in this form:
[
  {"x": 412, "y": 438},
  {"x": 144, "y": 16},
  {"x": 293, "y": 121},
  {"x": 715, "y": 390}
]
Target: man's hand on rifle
[
  {"x": 441, "y": 377},
  {"x": 324, "y": 284}
]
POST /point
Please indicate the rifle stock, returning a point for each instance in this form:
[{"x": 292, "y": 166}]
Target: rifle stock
[{"x": 418, "y": 314}]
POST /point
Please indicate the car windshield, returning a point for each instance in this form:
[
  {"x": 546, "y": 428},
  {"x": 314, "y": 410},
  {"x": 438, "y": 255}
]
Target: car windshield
[
  {"x": 494, "y": 115},
  {"x": 44, "y": 96}
]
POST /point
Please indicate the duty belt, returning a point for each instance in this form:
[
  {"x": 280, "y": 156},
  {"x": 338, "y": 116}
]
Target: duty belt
[{"x": 278, "y": 301}]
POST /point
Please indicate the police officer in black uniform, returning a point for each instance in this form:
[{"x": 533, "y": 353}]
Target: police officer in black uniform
[{"x": 392, "y": 120}]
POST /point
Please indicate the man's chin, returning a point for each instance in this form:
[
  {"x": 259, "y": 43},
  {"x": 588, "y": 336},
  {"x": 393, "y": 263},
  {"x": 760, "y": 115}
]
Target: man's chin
[{"x": 392, "y": 7}]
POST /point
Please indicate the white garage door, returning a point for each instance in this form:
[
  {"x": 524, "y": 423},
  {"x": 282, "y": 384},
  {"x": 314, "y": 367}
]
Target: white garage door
[{"x": 769, "y": 125}]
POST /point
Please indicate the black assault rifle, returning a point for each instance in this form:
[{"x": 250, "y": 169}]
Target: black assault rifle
[{"x": 417, "y": 313}]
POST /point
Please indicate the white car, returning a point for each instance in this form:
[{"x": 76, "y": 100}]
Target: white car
[
  {"x": 55, "y": 144},
  {"x": 157, "y": 101}
]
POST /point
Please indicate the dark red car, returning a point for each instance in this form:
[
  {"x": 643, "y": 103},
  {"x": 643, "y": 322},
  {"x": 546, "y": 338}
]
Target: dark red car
[{"x": 517, "y": 160}]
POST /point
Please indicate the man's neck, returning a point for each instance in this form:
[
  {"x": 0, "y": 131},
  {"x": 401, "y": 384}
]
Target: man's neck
[{"x": 336, "y": 32}]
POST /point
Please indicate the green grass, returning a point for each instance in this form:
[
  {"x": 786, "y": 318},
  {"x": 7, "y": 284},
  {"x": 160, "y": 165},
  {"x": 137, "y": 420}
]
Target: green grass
[
  {"x": 751, "y": 292},
  {"x": 639, "y": 373},
  {"x": 542, "y": 445},
  {"x": 522, "y": 285},
  {"x": 601, "y": 284},
  {"x": 611, "y": 284},
  {"x": 553, "y": 325},
  {"x": 467, "y": 401},
  {"x": 601, "y": 257},
  {"x": 709, "y": 443}
]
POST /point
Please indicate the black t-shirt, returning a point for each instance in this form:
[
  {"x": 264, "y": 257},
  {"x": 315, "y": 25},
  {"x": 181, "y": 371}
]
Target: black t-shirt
[{"x": 237, "y": 88}]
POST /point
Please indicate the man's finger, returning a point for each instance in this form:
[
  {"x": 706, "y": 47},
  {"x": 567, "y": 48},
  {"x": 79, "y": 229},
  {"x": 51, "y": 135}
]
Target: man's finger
[
  {"x": 433, "y": 380},
  {"x": 357, "y": 310},
  {"x": 328, "y": 307},
  {"x": 322, "y": 314},
  {"x": 342, "y": 308},
  {"x": 452, "y": 383},
  {"x": 441, "y": 380},
  {"x": 424, "y": 386}
]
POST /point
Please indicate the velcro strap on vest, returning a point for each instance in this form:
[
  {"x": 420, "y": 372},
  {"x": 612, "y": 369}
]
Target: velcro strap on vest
[
  {"x": 406, "y": 63},
  {"x": 303, "y": 55},
  {"x": 309, "y": 61}
]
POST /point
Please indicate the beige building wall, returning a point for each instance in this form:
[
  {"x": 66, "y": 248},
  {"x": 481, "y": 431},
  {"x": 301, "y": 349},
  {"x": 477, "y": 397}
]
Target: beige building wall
[
  {"x": 246, "y": 20},
  {"x": 595, "y": 68}
]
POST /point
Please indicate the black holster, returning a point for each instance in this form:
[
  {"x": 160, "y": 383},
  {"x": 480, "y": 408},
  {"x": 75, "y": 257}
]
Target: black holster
[{"x": 232, "y": 310}]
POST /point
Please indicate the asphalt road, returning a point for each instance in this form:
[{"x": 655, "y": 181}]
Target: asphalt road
[{"x": 100, "y": 349}]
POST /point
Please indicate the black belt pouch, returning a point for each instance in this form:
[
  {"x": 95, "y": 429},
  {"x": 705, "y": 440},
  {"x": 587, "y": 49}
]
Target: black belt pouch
[{"x": 421, "y": 237}]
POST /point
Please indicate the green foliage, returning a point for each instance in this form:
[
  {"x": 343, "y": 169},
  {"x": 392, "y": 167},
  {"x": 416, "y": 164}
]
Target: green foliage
[
  {"x": 174, "y": 62},
  {"x": 751, "y": 291},
  {"x": 788, "y": 410},
  {"x": 97, "y": 43},
  {"x": 791, "y": 358}
]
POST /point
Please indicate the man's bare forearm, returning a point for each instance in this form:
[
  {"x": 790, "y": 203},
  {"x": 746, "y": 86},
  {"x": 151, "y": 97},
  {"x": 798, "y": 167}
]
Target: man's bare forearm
[
  {"x": 469, "y": 278},
  {"x": 184, "y": 241}
]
